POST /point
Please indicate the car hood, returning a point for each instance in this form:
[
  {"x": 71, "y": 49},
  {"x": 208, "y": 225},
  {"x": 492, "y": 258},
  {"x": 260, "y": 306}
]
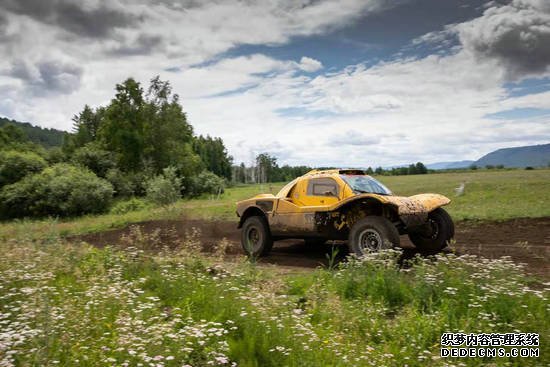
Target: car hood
[{"x": 416, "y": 204}]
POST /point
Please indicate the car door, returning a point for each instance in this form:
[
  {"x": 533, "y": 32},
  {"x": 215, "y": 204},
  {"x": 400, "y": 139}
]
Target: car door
[
  {"x": 320, "y": 192},
  {"x": 295, "y": 214}
]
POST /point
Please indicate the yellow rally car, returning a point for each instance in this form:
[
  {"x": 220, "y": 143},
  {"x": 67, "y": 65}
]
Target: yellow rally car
[{"x": 343, "y": 204}]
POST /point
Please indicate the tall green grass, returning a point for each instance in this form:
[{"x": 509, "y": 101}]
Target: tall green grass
[{"x": 74, "y": 305}]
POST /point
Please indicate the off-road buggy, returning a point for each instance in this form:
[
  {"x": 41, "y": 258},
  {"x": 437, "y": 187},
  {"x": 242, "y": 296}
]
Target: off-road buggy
[{"x": 343, "y": 205}]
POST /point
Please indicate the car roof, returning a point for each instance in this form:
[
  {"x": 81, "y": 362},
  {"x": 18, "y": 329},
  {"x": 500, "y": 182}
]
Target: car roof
[
  {"x": 320, "y": 173},
  {"x": 337, "y": 171}
]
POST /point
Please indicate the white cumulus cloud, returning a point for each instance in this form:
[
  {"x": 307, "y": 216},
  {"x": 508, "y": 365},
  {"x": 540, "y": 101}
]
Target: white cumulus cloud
[{"x": 310, "y": 65}]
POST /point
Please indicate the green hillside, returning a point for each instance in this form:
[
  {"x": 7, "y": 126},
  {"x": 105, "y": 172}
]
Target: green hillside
[{"x": 48, "y": 138}]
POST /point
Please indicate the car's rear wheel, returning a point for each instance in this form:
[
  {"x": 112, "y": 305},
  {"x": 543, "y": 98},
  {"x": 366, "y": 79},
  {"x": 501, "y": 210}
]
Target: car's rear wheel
[
  {"x": 256, "y": 237},
  {"x": 436, "y": 234},
  {"x": 371, "y": 234}
]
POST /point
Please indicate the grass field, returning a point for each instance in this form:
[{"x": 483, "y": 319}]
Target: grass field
[
  {"x": 490, "y": 195},
  {"x": 74, "y": 305},
  {"x": 69, "y": 304}
]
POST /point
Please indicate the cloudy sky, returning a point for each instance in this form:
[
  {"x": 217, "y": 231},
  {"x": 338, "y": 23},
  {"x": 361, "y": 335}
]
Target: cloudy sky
[{"x": 317, "y": 82}]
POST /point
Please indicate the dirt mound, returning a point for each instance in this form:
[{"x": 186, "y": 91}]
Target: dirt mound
[{"x": 525, "y": 240}]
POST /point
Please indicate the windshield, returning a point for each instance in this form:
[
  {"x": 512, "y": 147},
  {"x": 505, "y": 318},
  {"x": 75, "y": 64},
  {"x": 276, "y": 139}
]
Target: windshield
[{"x": 365, "y": 184}]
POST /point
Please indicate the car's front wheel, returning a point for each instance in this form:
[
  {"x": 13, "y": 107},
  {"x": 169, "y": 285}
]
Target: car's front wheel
[
  {"x": 436, "y": 234},
  {"x": 256, "y": 237},
  {"x": 371, "y": 234}
]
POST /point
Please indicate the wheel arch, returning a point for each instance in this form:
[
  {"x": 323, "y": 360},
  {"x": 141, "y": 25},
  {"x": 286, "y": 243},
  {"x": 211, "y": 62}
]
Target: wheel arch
[
  {"x": 370, "y": 206},
  {"x": 250, "y": 212}
]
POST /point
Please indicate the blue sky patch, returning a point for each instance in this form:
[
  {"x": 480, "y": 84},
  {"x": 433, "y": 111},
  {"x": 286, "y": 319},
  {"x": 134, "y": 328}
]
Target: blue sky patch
[{"x": 519, "y": 113}]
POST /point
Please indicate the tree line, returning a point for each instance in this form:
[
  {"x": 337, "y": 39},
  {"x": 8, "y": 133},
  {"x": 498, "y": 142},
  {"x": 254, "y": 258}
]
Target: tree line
[
  {"x": 46, "y": 137},
  {"x": 266, "y": 169},
  {"x": 138, "y": 145}
]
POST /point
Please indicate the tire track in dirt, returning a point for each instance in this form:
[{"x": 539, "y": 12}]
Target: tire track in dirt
[{"x": 525, "y": 240}]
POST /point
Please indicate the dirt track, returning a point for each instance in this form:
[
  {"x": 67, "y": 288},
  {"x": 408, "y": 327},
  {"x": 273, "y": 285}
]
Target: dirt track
[{"x": 524, "y": 240}]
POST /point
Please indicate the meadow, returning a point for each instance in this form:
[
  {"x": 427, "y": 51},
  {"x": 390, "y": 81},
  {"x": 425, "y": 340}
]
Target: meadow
[
  {"x": 490, "y": 195},
  {"x": 74, "y": 305},
  {"x": 147, "y": 303}
]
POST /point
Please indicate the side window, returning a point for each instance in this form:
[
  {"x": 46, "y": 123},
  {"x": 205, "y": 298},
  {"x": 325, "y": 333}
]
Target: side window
[
  {"x": 322, "y": 187},
  {"x": 292, "y": 193}
]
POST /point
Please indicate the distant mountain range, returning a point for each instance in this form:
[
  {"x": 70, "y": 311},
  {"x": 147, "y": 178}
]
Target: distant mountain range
[
  {"x": 533, "y": 155},
  {"x": 48, "y": 138}
]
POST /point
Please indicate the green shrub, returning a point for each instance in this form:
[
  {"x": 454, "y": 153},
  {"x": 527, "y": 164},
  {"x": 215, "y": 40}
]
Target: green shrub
[
  {"x": 164, "y": 189},
  {"x": 55, "y": 155},
  {"x": 122, "y": 183},
  {"x": 130, "y": 205},
  {"x": 139, "y": 182},
  {"x": 206, "y": 182},
  {"x": 60, "y": 190},
  {"x": 15, "y": 165},
  {"x": 95, "y": 159}
]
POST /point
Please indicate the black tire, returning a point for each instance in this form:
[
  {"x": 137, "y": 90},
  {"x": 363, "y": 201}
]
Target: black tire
[
  {"x": 372, "y": 234},
  {"x": 439, "y": 232},
  {"x": 256, "y": 237}
]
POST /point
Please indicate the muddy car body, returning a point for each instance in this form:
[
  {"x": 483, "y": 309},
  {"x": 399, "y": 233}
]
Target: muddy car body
[{"x": 343, "y": 205}]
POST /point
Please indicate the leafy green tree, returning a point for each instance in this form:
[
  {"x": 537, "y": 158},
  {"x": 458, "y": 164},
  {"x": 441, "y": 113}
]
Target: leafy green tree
[
  {"x": 241, "y": 173},
  {"x": 167, "y": 136},
  {"x": 214, "y": 155},
  {"x": 421, "y": 168},
  {"x": 15, "y": 165},
  {"x": 45, "y": 137},
  {"x": 122, "y": 129},
  {"x": 4, "y": 139},
  {"x": 85, "y": 128},
  {"x": 148, "y": 129},
  {"x": 14, "y": 134},
  {"x": 267, "y": 168},
  {"x": 13, "y": 137}
]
